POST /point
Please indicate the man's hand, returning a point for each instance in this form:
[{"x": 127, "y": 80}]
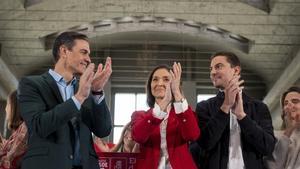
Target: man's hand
[
  {"x": 85, "y": 83},
  {"x": 102, "y": 75},
  {"x": 231, "y": 91},
  {"x": 238, "y": 106}
]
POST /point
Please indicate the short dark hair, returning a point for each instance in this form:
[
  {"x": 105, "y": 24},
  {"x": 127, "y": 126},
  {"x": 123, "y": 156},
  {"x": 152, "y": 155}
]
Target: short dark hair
[
  {"x": 15, "y": 121},
  {"x": 150, "y": 97},
  {"x": 231, "y": 58},
  {"x": 67, "y": 39}
]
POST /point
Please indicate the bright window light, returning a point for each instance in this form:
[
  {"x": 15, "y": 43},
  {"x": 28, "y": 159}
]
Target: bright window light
[
  {"x": 201, "y": 97},
  {"x": 141, "y": 102},
  {"x": 125, "y": 105},
  {"x": 117, "y": 134}
]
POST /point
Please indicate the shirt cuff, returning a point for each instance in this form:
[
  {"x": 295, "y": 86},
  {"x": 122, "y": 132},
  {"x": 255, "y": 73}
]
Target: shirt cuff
[
  {"x": 77, "y": 103},
  {"x": 98, "y": 98},
  {"x": 157, "y": 113},
  {"x": 180, "y": 107}
]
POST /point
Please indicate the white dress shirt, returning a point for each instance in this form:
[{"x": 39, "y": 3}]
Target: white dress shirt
[{"x": 236, "y": 160}]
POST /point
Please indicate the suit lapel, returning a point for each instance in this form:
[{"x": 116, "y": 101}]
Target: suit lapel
[{"x": 53, "y": 86}]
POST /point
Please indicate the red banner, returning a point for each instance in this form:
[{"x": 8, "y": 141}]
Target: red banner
[{"x": 117, "y": 160}]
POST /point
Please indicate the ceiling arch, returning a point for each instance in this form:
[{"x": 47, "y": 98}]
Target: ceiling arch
[
  {"x": 139, "y": 43},
  {"x": 190, "y": 33}
]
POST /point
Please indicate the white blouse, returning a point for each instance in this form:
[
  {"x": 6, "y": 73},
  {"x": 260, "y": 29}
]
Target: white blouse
[{"x": 179, "y": 107}]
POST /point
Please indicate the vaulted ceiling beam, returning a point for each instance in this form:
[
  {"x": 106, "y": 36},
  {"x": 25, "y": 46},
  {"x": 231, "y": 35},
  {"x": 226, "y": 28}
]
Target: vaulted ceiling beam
[
  {"x": 288, "y": 78},
  {"x": 8, "y": 81}
]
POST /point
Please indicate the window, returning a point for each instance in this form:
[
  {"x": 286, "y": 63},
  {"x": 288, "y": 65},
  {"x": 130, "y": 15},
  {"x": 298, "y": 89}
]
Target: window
[
  {"x": 125, "y": 105},
  {"x": 201, "y": 97}
]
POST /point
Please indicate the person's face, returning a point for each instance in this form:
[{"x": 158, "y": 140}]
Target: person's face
[
  {"x": 78, "y": 58},
  {"x": 291, "y": 104},
  {"x": 128, "y": 141},
  {"x": 161, "y": 78},
  {"x": 221, "y": 71}
]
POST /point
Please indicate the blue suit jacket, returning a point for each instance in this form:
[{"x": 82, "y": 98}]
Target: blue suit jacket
[{"x": 51, "y": 134}]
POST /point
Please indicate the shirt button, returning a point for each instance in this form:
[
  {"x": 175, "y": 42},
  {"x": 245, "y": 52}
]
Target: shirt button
[
  {"x": 71, "y": 157},
  {"x": 184, "y": 120},
  {"x": 149, "y": 121}
]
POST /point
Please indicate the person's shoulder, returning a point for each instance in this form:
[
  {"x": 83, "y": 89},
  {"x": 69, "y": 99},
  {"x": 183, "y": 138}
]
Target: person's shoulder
[
  {"x": 22, "y": 128},
  {"x": 256, "y": 103},
  {"x": 208, "y": 101},
  {"x": 278, "y": 133},
  {"x": 34, "y": 78},
  {"x": 139, "y": 113},
  {"x": 247, "y": 98}
]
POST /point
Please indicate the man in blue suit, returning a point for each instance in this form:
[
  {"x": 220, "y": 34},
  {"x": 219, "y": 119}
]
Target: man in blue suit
[{"x": 61, "y": 111}]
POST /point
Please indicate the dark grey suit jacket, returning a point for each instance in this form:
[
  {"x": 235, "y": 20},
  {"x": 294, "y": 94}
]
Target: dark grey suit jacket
[{"x": 51, "y": 133}]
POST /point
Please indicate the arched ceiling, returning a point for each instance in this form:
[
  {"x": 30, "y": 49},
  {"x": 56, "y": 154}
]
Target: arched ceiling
[
  {"x": 275, "y": 34},
  {"x": 137, "y": 44}
]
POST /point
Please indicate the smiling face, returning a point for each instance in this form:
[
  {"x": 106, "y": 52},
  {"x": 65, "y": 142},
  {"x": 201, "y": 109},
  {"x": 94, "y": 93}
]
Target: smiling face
[
  {"x": 221, "y": 72},
  {"x": 161, "y": 78},
  {"x": 76, "y": 59},
  {"x": 291, "y": 104},
  {"x": 128, "y": 141}
]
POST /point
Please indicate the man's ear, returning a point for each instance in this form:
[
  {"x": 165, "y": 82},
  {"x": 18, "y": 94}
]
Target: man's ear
[
  {"x": 237, "y": 70},
  {"x": 63, "y": 51}
]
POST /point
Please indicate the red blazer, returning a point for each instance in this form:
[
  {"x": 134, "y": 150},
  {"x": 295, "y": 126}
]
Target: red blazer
[{"x": 181, "y": 129}]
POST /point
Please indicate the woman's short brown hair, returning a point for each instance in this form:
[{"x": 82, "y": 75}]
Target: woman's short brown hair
[{"x": 15, "y": 117}]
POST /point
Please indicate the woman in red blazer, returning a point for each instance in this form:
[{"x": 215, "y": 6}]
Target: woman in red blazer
[{"x": 164, "y": 131}]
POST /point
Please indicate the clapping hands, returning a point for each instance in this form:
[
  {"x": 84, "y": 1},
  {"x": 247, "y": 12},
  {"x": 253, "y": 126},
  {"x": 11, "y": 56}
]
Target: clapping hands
[
  {"x": 233, "y": 97},
  {"x": 173, "y": 88},
  {"x": 93, "y": 81},
  {"x": 293, "y": 122}
]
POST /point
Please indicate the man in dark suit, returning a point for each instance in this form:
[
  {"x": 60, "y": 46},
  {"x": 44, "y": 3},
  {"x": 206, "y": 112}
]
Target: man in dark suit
[
  {"x": 61, "y": 111},
  {"x": 237, "y": 130}
]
